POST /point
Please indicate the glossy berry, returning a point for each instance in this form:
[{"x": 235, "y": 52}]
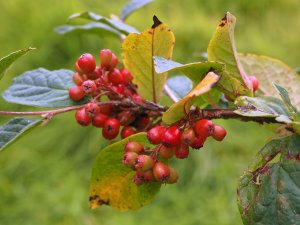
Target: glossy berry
[
  {"x": 127, "y": 131},
  {"x": 198, "y": 142},
  {"x": 82, "y": 117},
  {"x": 219, "y": 133},
  {"x": 255, "y": 82},
  {"x": 146, "y": 176},
  {"x": 171, "y": 137},
  {"x": 126, "y": 76},
  {"x": 173, "y": 176},
  {"x": 89, "y": 87},
  {"x": 204, "y": 128},
  {"x": 143, "y": 122},
  {"x": 129, "y": 158},
  {"x": 182, "y": 151},
  {"x": 105, "y": 109},
  {"x": 76, "y": 93},
  {"x": 92, "y": 109},
  {"x": 166, "y": 152},
  {"x": 86, "y": 63},
  {"x": 155, "y": 134},
  {"x": 78, "y": 79},
  {"x": 115, "y": 77},
  {"x": 110, "y": 128},
  {"x": 114, "y": 62},
  {"x": 137, "y": 98},
  {"x": 144, "y": 163},
  {"x": 134, "y": 146},
  {"x": 77, "y": 68},
  {"x": 99, "y": 119},
  {"x": 161, "y": 172},
  {"x": 105, "y": 57},
  {"x": 188, "y": 136}
]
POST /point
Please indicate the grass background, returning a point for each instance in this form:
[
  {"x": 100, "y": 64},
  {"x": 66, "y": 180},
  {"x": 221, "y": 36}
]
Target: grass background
[{"x": 44, "y": 177}]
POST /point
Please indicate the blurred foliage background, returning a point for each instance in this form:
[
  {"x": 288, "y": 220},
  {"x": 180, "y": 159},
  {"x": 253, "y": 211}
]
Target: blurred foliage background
[{"x": 45, "y": 176}]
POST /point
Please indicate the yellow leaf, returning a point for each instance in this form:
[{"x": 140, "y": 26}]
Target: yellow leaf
[{"x": 138, "y": 53}]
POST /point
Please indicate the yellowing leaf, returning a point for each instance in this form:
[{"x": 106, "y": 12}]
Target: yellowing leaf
[
  {"x": 222, "y": 48},
  {"x": 138, "y": 52},
  {"x": 178, "y": 110},
  {"x": 112, "y": 182}
]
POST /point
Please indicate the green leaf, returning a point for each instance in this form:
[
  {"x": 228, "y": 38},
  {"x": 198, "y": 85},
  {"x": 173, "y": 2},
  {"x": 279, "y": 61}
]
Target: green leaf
[
  {"x": 42, "y": 88},
  {"x": 270, "y": 194},
  {"x": 14, "y": 129},
  {"x": 138, "y": 52},
  {"x": 222, "y": 48},
  {"x": 269, "y": 71},
  {"x": 178, "y": 110},
  {"x": 8, "y": 60},
  {"x": 114, "y": 23},
  {"x": 98, "y": 28},
  {"x": 112, "y": 182},
  {"x": 178, "y": 87},
  {"x": 264, "y": 106},
  {"x": 132, "y": 6},
  {"x": 285, "y": 98}
]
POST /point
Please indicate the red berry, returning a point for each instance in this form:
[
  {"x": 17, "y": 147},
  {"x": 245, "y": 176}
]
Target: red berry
[
  {"x": 77, "y": 68},
  {"x": 182, "y": 151},
  {"x": 144, "y": 163},
  {"x": 129, "y": 158},
  {"x": 219, "y": 133},
  {"x": 82, "y": 117},
  {"x": 76, "y": 93},
  {"x": 86, "y": 63},
  {"x": 255, "y": 82},
  {"x": 198, "y": 142},
  {"x": 171, "y": 137},
  {"x": 89, "y": 87},
  {"x": 78, "y": 79},
  {"x": 126, "y": 75},
  {"x": 188, "y": 136},
  {"x": 99, "y": 120},
  {"x": 166, "y": 152},
  {"x": 114, "y": 61},
  {"x": 138, "y": 98},
  {"x": 120, "y": 89},
  {"x": 126, "y": 117},
  {"x": 111, "y": 128},
  {"x": 105, "y": 109},
  {"x": 127, "y": 131},
  {"x": 173, "y": 176},
  {"x": 161, "y": 172},
  {"x": 155, "y": 134},
  {"x": 105, "y": 57},
  {"x": 145, "y": 176},
  {"x": 93, "y": 75},
  {"x": 92, "y": 109},
  {"x": 143, "y": 122},
  {"x": 115, "y": 77},
  {"x": 204, "y": 128},
  {"x": 134, "y": 146}
]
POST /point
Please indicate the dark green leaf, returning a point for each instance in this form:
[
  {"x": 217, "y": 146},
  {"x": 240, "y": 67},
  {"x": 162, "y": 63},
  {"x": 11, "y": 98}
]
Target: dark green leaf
[
  {"x": 112, "y": 182},
  {"x": 14, "y": 128},
  {"x": 269, "y": 71},
  {"x": 98, "y": 28},
  {"x": 132, "y": 6},
  {"x": 8, "y": 60},
  {"x": 178, "y": 87},
  {"x": 285, "y": 98},
  {"x": 113, "y": 23},
  {"x": 42, "y": 88}
]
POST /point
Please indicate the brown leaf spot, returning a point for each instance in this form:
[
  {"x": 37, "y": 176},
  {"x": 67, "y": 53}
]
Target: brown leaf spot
[
  {"x": 223, "y": 21},
  {"x": 156, "y": 21}
]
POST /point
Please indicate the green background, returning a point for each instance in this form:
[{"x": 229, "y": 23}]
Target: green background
[{"x": 44, "y": 177}]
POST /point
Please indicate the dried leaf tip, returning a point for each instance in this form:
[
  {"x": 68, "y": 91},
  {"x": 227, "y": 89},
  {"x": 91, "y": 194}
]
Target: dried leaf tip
[{"x": 156, "y": 21}]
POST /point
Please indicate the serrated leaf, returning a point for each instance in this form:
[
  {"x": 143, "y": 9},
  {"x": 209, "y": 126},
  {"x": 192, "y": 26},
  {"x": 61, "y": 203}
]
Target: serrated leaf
[
  {"x": 269, "y": 71},
  {"x": 222, "y": 48},
  {"x": 132, "y": 6},
  {"x": 112, "y": 182},
  {"x": 178, "y": 110},
  {"x": 98, "y": 28},
  {"x": 113, "y": 23},
  {"x": 270, "y": 194},
  {"x": 14, "y": 129},
  {"x": 178, "y": 87},
  {"x": 138, "y": 52},
  {"x": 265, "y": 106},
  {"x": 43, "y": 88},
  {"x": 7, "y": 61}
]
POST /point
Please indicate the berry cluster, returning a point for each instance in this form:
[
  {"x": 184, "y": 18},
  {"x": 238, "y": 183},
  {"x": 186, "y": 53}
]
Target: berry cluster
[
  {"x": 170, "y": 141},
  {"x": 116, "y": 84}
]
